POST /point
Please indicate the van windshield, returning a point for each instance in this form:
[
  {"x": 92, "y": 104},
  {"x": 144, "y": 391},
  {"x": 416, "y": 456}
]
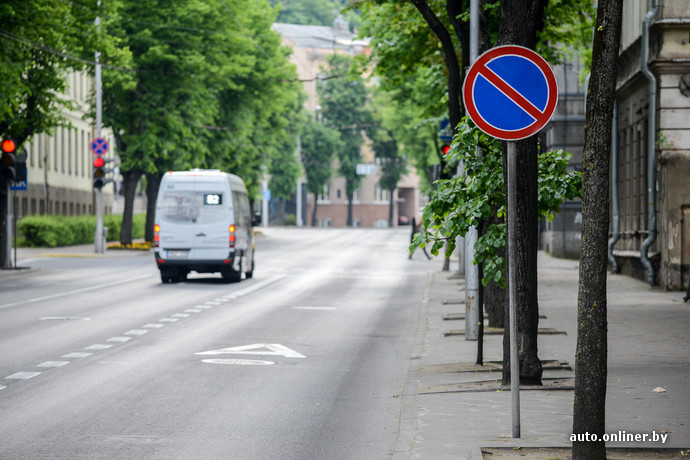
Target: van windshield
[{"x": 193, "y": 207}]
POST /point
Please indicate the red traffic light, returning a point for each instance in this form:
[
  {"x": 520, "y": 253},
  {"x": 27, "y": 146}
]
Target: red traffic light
[
  {"x": 445, "y": 149},
  {"x": 98, "y": 162},
  {"x": 8, "y": 146}
]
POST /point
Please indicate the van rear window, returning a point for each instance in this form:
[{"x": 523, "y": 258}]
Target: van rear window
[{"x": 193, "y": 207}]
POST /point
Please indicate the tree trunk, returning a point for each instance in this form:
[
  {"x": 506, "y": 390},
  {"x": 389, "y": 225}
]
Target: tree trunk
[
  {"x": 520, "y": 22},
  {"x": 349, "y": 210},
  {"x": 153, "y": 182},
  {"x": 313, "y": 211},
  {"x": 391, "y": 203},
  {"x": 494, "y": 297},
  {"x": 591, "y": 354},
  {"x": 130, "y": 181}
]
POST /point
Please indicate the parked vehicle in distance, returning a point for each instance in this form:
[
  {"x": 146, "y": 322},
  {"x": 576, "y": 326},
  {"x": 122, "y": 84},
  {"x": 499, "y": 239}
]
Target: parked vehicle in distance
[{"x": 203, "y": 223}]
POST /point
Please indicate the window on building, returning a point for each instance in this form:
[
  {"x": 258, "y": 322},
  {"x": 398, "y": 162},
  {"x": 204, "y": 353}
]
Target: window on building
[
  {"x": 325, "y": 195},
  {"x": 382, "y": 194}
]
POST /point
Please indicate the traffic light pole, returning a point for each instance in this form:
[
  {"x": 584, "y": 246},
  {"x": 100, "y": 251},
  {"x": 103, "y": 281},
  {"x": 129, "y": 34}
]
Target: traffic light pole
[
  {"x": 99, "y": 240},
  {"x": 7, "y": 227}
]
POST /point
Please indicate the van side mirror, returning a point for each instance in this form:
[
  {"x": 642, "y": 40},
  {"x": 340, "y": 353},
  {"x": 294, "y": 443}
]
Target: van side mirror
[{"x": 256, "y": 219}]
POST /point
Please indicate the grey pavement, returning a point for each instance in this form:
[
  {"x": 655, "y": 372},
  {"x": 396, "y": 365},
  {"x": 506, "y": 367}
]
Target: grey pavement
[{"x": 451, "y": 411}]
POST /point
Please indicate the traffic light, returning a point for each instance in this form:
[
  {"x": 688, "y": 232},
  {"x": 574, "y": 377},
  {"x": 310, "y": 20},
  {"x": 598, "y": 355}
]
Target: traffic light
[
  {"x": 445, "y": 149},
  {"x": 8, "y": 163},
  {"x": 100, "y": 171}
]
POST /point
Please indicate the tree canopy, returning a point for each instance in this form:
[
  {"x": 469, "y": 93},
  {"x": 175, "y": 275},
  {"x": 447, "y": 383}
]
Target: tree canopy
[{"x": 213, "y": 88}]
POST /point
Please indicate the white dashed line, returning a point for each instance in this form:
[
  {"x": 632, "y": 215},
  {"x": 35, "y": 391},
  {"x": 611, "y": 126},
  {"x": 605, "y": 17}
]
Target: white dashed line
[
  {"x": 204, "y": 307},
  {"x": 76, "y": 355},
  {"x": 221, "y": 300},
  {"x": 2, "y": 387},
  {"x": 53, "y": 364},
  {"x": 168, "y": 320},
  {"x": 153, "y": 325},
  {"x": 213, "y": 303},
  {"x": 312, "y": 308},
  {"x": 22, "y": 376},
  {"x": 193, "y": 310},
  {"x": 180, "y": 315},
  {"x": 136, "y": 332},
  {"x": 98, "y": 346},
  {"x": 119, "y": 339}
]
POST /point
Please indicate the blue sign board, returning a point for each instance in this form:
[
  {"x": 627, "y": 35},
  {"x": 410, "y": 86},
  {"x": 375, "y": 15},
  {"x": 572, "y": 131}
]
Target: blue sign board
[
  {"x": 99, "y": 146},
  {"x": 510, "y": 92}
]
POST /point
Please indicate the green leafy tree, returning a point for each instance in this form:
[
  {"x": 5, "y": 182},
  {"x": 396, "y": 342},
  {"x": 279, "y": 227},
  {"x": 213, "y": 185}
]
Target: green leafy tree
[
  {"x": 462, "y": 202},
  {"x": 40, "y": 41},
  {"x": 344, "y": 107},
  {"x": 306, "y": 12},
  {"x": 319, "y": 144},
  {"x": 213, "y": 88}
]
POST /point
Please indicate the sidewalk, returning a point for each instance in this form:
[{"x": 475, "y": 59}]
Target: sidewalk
[
  {"x": 451, "y": 411},
  {"x": 25, "y": 256}
]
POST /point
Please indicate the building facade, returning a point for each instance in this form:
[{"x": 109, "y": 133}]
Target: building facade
[
  {"x": 650, "y": 234},
  {"x": 60, "y": 165},
  {"x": 311, "y": 46},
  {"x": 561, "y": 236}
]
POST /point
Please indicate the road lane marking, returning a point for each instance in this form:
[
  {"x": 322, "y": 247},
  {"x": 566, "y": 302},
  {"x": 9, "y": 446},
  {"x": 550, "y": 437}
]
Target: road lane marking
[
  {"x": 136, "y": 332},
  {"x": 65, "y": 318},
  {"x": 153, "y": 325},
  {"x": 254, "y": 287},
  {"x": 168, "y": 320},
  {"x": 203, "y": 307},
  {"x": 119, "y": 339},
  {"x": 240, "y": 362},
  {"x": 98, "y": 346},
  {"x": 213, "y": 303},
  {"x": 53, "y": 364},
  {"x": 220, "y": 300},
  {"x": 76, "y": 355},
  {"x": 181, "y": 315},
  {"x": 272, "y": 349},
  {"x": 193, "y": 310},
  {"x": 22, "y": 376},
  {"x": 75, "y": 291},
  {"x": 2, "y": 387},
  {"x": 312, "y": 308}
]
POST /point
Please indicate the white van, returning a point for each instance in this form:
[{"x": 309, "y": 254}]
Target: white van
[{"x": 204, "y": 224}]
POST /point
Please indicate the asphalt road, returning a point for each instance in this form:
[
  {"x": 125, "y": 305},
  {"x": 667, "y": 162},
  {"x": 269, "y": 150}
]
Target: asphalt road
[{"x": 307, "y": 360}]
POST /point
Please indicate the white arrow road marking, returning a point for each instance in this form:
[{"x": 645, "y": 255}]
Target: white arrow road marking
[
  {"x": 271, "y": 349},
  {"x": 241, "y": 362}
]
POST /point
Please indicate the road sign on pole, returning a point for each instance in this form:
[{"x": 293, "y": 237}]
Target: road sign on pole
[
  {"x": 510, "y": 92},
  {"x": 99, "y": 146}
]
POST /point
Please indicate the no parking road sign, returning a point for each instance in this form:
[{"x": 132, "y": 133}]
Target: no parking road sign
[
  {"x": 99, "y": 146},
  {"x": 510, "y": 92}
]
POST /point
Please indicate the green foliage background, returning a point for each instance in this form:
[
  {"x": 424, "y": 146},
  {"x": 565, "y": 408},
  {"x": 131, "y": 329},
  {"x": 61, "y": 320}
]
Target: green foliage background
[{"x": 54, "y": 231}]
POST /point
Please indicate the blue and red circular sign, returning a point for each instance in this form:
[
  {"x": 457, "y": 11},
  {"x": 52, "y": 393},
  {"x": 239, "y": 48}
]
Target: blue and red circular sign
[
  {"x": 510, "y": 92},
  {"x": 99, "y": 146}
]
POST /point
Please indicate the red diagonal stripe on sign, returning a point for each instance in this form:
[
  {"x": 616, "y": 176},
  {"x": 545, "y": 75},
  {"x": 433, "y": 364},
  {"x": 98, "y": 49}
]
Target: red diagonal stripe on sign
[{"x": 522, "y": 102}]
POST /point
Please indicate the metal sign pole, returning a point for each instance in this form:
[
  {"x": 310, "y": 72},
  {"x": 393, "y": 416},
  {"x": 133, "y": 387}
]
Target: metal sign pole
[
  {"x": 99, "y": 244},
  {"x": 512, "y": 289}
]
